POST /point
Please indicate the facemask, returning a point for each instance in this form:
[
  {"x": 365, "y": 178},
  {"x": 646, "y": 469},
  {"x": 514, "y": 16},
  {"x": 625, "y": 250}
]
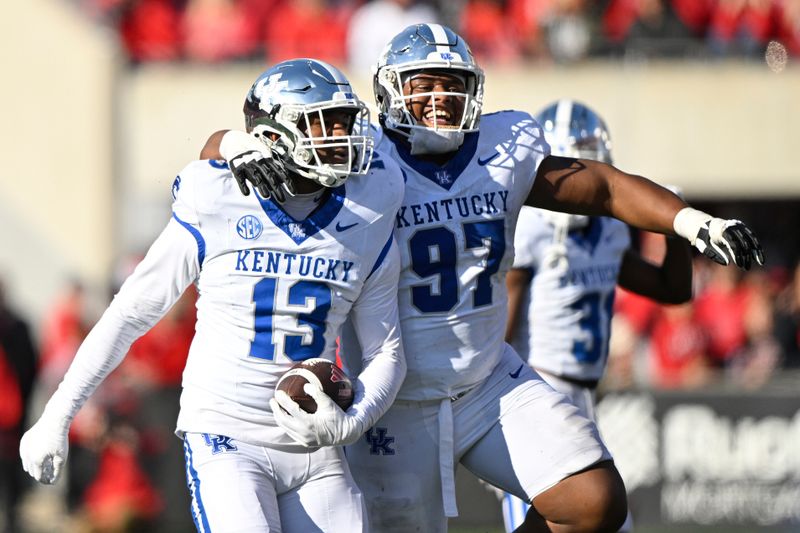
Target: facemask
[{"x": 424, "y": 141}]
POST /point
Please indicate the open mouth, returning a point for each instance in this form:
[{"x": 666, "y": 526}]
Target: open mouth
[
  {"x": 334, "y": 156},
  {"x": 440, "y": 118}
]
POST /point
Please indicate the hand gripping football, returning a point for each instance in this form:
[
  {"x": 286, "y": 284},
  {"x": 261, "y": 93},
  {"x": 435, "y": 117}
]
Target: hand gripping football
[{"x": 321, "y": 373}]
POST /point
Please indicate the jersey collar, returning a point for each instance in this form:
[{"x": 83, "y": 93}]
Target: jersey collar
[
  {"x": 300, "y": 230},
  {"x": 445, "y": 175}
]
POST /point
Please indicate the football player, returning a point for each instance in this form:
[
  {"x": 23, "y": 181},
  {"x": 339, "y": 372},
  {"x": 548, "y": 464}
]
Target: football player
[
  {"x": 467, "y": 396},
  {"x": 566, "y": 268},
  {"x": 276, "y": 281}
]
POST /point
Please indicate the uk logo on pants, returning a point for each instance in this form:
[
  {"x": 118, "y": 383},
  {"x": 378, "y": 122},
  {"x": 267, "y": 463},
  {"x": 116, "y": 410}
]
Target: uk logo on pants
[
  {"x": 219, "y": 443},
  {"x": 379, "y": 442}
]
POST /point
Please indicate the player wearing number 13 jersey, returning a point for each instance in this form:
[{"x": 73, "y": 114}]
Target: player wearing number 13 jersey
[{"x": 276, "y": 277}]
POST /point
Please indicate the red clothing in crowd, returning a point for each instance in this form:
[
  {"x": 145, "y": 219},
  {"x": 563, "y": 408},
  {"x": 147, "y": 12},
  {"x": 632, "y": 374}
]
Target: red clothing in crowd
[
  {"x": 678, "y": 347},
  {"x": 11, "y": 408},
  {"x": 150, "y": 31},
  {"x": 121, "y": 492},
  {"x": 159, "y": 356},
  {"x": 720, "y": 311},
  {"x": 788, "y": 25},
  {"x": 732, "y": 17},
  {"x": 218, "y": 30},
  {"x": 695, "y": 14},
  {"x": 484, "y": 26},
  {"x": 639, "y": 311},
  {"x": 306, "y": 28}
]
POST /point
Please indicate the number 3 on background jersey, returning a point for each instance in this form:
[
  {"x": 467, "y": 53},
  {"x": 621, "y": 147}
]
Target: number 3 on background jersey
[
  {"x": 434, "y": 253},
  {"x": 300, "y": 294},
  {"x": 595, "y": 310}
]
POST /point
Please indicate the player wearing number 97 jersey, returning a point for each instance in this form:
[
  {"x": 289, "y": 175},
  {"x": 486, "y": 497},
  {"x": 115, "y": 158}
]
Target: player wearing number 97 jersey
[
  {"x": 276, "y": 280},
  {"x": 468, "y": 398}
]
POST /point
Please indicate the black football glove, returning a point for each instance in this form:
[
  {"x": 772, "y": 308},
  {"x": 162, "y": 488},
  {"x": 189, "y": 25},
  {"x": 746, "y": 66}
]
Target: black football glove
[
  {"x": 265, "y": 173},
  {"x": 723, "y": 241},
  {"x": 254, "y": 163},
  {"x": 727, "y": 241}
]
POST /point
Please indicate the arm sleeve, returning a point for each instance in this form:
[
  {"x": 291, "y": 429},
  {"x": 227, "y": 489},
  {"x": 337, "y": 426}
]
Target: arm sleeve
[
  {"x": 525, "y": 237},
  {"x": 170, "y": 265},
  {"x": 376, "y": 322}
]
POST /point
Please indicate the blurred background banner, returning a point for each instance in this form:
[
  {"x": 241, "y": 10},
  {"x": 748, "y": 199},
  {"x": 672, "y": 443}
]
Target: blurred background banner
[
  {"x": 105, "y": 101},
  {"x": 716, "y": 458}
]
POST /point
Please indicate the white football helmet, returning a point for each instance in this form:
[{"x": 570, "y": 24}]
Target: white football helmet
[
  {"x": 573, "y": 129},
  {"x": 427, "y": 47},
  {"x": 281, "y": 106}
]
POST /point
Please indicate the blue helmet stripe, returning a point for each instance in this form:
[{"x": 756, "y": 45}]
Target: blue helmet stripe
[{"x": 439, "y": 37}]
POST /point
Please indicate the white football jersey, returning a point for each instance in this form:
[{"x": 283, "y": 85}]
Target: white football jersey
[
  {"x": 455, "y": 232},
  {"x": 565, "y": 318},
  {"x": 272, "y": 290}
]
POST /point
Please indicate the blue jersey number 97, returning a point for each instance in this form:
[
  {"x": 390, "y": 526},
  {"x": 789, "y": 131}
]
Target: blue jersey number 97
[
  {"x": 307, "y": 294},
  {"x": 434, "y": 253}
]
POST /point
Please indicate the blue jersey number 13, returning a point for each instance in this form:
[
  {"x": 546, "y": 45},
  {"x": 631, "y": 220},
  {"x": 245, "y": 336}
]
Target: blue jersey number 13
[{"x": 300, "y": 294}]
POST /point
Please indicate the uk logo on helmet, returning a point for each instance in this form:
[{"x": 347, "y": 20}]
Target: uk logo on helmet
[{"x": 249, "y": 227}]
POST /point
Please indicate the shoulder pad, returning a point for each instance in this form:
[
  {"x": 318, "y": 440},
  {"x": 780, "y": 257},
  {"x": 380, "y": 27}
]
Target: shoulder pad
[{"x": 197, "y": 185}]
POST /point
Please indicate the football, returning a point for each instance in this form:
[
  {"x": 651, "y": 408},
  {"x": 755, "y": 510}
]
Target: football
[{"x": 322, "y": 373}]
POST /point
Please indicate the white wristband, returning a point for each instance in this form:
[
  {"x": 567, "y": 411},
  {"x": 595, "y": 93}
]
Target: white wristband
[
  {"x": 234, "y": 143},
  {"x": 688, "y": 222}
]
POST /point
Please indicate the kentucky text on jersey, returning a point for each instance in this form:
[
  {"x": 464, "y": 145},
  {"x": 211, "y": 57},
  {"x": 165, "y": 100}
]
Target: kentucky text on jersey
[
  {"x": 595, "y": 275},
  {"x": 283, "y": 263},
  {"x": 448, "y": 208}
]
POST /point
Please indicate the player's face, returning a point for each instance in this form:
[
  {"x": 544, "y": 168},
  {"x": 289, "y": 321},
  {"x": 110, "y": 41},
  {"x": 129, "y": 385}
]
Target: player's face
[
  {"x": 330, "y": 123},
  {"x": 435, "y": 105}
]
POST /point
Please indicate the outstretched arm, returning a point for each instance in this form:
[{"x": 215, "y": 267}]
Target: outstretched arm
[
  {"x": 167, "y": 269},
  {"x": 589, "y": 187},
  {"x": 593, "y": 188}
]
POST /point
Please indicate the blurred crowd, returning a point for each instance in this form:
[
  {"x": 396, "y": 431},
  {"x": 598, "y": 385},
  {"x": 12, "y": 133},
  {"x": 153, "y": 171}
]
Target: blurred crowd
[
  {"x": 124, "y": 464},
  {"x": 353, "y": 32},
  {"x": 741, "y": 329}
]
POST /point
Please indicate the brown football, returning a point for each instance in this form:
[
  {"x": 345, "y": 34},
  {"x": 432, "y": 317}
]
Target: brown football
[{"x": 326, "y": 375}]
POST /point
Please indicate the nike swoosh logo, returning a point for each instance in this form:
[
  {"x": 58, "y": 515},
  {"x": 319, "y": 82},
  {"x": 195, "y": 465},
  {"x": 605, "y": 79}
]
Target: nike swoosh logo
[
  {"x": 515, "y": 374},
  {"x": 339, "y": 226},
  {"x": 484, "y": 161}
]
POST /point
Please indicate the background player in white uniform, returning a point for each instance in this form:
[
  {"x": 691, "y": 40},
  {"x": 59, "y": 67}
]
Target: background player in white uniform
[
  {"x": 566, "y": 268},
  {"x": 275, "y": 281},
  {"x": 467, "y": 396}
]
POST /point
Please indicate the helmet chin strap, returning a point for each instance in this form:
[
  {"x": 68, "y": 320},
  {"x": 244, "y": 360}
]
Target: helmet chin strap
[{"x": 426, "y": 141}]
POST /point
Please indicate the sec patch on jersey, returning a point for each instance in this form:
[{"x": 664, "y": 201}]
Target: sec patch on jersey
[{"x": 322, "y": 373}]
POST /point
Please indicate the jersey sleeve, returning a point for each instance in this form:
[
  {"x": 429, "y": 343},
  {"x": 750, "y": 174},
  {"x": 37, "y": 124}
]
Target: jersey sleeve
[
  {"x": 375, "y": 320},
  {"x": 155, "y": 285},
  {"x": 527, "y": 234},
  {"x": 184, "y": 205}
]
